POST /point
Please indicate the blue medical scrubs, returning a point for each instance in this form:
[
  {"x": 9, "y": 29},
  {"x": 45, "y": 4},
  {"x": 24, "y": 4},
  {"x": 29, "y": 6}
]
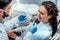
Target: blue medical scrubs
[{"x": 43, "y": 31}]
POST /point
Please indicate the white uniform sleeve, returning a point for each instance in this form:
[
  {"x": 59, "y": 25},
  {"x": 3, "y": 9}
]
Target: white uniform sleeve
[
  {"x": 19, "y": 29},
  {"x": 11, "y": 24},
  {"x": 18, "y": 38},
  {"x": 28, "y": 36}
]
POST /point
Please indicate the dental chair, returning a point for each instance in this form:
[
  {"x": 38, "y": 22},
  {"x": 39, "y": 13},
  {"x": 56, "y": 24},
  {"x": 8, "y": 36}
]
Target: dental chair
[{"x": 57, "y": 34}]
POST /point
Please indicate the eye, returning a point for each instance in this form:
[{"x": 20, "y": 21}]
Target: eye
[{"x": 41, "y": 12}]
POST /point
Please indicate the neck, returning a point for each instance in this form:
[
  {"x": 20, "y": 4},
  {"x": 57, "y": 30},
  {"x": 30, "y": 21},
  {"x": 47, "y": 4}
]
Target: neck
[{"x": 46, "y": 22}]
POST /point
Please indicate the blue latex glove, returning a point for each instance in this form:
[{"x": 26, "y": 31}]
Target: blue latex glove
[
  {"x": 33, "y": 29},
  {"x": 22, "y": 16}
]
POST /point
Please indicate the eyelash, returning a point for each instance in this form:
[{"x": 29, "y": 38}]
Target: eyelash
[{"x": 40, "y": 12}]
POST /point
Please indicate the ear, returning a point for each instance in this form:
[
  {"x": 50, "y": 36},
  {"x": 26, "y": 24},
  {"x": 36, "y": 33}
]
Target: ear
[
  {"x": 49, "y": 16},
  {"x": 1, "y": 11}
]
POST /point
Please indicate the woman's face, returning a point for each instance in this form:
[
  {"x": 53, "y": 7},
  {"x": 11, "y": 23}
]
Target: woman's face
[
  {"x": 7, "y": 8},
  {"x": 43, "y": 15}
]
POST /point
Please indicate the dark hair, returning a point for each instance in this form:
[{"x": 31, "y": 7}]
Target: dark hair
[
  {"x": 4, "y": 3},
  {"x": 52, "y": 10}
]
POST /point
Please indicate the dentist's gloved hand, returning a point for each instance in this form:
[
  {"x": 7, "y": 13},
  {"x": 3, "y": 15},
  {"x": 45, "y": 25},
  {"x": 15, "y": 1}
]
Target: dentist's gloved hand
[
  {"x": 33, "y": 29},
  {"x": 22, "y": 16}
]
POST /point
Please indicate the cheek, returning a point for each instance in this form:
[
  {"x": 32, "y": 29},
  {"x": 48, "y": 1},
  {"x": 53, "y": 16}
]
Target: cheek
[
  {"x": 8, "y": 8},
  {"x": 44, "y": 17}
]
